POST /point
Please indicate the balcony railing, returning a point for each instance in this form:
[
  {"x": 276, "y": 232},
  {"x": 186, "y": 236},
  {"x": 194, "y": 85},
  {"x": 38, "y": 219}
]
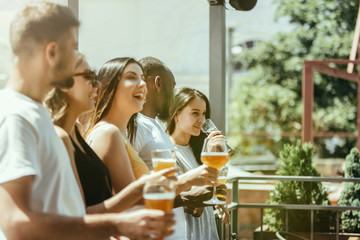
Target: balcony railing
[{"x": 232, "y": 232}]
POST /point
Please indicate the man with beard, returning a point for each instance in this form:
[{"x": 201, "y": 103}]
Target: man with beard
[
  {"x": 39, "y": 195},
  {"x": 150, "y": 136},
  {"x": 160, "y": 83}
]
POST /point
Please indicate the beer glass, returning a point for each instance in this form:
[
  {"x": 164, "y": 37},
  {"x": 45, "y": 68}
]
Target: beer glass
[
  {"x": 214, "y": 154},
  {"x": 222, "y": 177},
  {"x": 160, "y": 195},
  {"x": 163, "y": 158},
  {"x": 209, "y": 127}
]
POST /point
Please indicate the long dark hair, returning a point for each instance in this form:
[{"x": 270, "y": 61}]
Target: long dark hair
[
  {"x": 109, "y": 76},
  {"x": 180, "y": 100}
]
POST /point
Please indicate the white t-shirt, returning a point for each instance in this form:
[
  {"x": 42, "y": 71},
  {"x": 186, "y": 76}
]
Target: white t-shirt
[
  {"x": 197, "y": 228},
  {"x": 29, "y": 145},
  {"x": 149, "y": 136}
]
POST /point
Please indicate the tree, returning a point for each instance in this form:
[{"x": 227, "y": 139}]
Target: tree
[
  {"x": 350, "y": 196},
  {"x": 268, "y": 99},
  {"x": 297, "y": 161}
]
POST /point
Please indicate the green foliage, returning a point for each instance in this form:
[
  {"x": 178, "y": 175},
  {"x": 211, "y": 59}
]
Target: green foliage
[
  {"x": 268, "y": 99},
  {"x": 297, "y": 161},
  {"x": 350, "y": 196}
]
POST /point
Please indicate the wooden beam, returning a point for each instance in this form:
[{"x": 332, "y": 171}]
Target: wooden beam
[
  {"x": 294, "y": 134},
  {"x": 355, "y": 43},
  {"x": 358, "y": 118},
  {"x": 334, "y": 61},
  {"x": 308, "y": 99},
  {"x": 336, "y": 73}
]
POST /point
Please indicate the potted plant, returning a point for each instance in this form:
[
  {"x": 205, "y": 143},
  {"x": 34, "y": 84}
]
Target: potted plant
[
  {"x": 350, "y": 196},
  {"x": 296, "y": 160}
]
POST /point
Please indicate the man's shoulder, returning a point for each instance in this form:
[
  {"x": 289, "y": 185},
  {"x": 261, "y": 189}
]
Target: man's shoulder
[
  {"x": 145, "y": 123},
  {"x": 16, "y": 108},
  {"x": 12, "y": 102}
]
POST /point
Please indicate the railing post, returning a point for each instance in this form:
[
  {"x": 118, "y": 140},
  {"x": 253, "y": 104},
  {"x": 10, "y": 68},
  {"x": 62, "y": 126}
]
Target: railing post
[
  {"x": 234, "y": 213},
  {"x": 337, "y": 225},
  {"x": 286, "y": 221},
  {"x": 312, "y": 225},
  {"x": 261, "y": 223}
]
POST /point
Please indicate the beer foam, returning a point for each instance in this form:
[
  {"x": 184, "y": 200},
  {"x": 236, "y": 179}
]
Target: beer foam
[
  {"x": 170, "y": 160},
  {"x": 214, "y": 154},
  {"x": 159, "y": 196}
]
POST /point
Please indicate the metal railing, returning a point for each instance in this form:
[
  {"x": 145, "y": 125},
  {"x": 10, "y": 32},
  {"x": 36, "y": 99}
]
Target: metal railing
[{"x": 232, "y": 232}]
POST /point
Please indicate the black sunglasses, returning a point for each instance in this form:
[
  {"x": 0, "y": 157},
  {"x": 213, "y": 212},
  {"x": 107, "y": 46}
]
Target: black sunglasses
[{"x": 90, "y": 76}]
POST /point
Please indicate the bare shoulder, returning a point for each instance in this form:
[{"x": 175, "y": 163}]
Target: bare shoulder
[
  {"x": 61, "y": 133},
  {"x": 64, "y": 136},
  {"x": 107, "y": 135}
]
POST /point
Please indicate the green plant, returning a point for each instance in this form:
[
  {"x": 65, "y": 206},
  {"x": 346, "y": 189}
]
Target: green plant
[
  {"x": 350, "y": 196},
  {"x": 268, "y": 98},
  {"x": 297, "y": 161}
]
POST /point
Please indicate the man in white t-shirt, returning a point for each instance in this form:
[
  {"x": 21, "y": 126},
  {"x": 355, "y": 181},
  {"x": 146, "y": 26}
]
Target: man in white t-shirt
[
  {"x": 39, "y": 196},
  {"x": 160, "y": 83},
  {"x": 150, "y": 135}
]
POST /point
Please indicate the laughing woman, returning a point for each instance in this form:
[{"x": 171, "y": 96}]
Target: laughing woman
[
  {"x": 112, "y": 128},
  {"x": 65, "y": 106},
  {"x": 121, "y": 96}
]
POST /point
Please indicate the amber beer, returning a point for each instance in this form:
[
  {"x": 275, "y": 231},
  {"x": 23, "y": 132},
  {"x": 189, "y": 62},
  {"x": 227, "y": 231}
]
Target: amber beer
[
  {"x": 221, "y": 180},
  {"x": 214, "y": 159},
  {"x": 159, "y": 195},
  {"x": 160, "y": 201},
  {"x": 163, "y": 163}
]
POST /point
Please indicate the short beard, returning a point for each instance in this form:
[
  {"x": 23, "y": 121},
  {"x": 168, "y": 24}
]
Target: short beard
[
  {"x": 164, "y": 114},
  {"x": 66, "y": 83}
]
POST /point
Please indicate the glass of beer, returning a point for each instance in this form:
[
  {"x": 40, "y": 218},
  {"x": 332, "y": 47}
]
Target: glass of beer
[
  {"x": 222, "y": 177},
  {"x": 163, "y": 158},
  {"x": 214, "y": 154},
  {"x": 160, "y": 195},
  {"x": 208, "y": 127}
]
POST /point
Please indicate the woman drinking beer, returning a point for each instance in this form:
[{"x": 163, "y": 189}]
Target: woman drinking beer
[
  {"x": 112, "y": 127},
  {"x": 188, "y": 111}
]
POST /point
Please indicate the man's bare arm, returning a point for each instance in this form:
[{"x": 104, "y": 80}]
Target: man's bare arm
[{"x": 19, "y": 222}]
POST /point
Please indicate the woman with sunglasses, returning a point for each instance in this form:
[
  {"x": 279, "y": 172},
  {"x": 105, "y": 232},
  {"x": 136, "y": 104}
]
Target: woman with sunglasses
[{"x": 65, "y": 106}]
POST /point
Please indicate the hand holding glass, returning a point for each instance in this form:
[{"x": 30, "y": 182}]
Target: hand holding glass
[
  {"x": 209, "y": 127},
  {"x": 214, "y": 154},
  {"x": 162, "y": 159},
  {"x": 160, "y": 195},
  {"x": 222, "y": 178}
]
